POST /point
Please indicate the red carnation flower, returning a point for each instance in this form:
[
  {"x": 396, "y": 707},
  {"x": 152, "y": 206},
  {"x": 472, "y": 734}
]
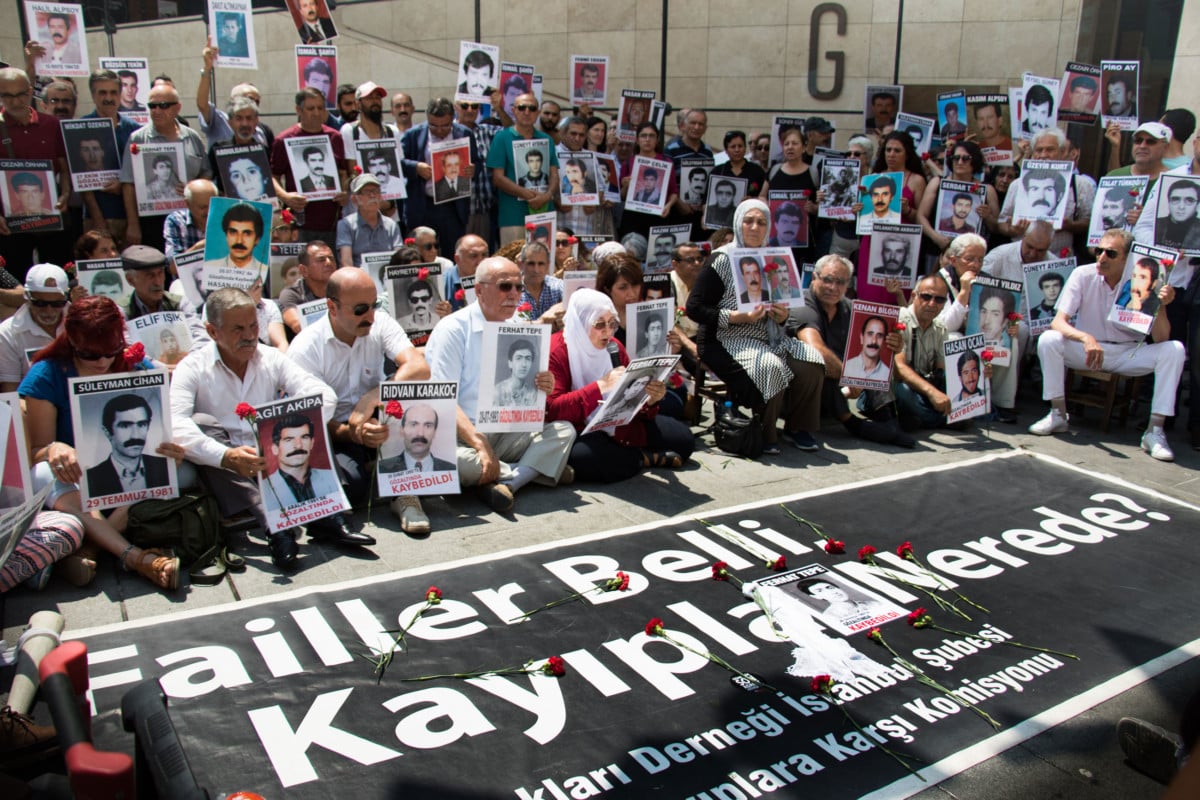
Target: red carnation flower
[
  {"x": 357, "y": 169},
  {"x": 866, "y": 552},
  {"x": 287, "y": 216},
  {"x": 706, "y": 247},
  {"x": 245, "y": 411},
  {"x": 987, "y": 355},
  {"x": 821, "y": 683},
  {"x": 555, "y": 666},
  {"x": 410, "y": 241},
  {"x": 862, "y": 189},
  {"x": 1167, "y": 263},
  {"x": 525, "y": 308},
  {"x": 901, "y": 327},
  {"x": 720, "y": 571},
  {"x": 835, "y": 546},
  {"x": 135, "y": 353},
  {"x": 975, "y": 186},
  {"x": 423, "y": 273},
  {"x": 915, "y": 617},
  {"x": 654, "y": 627},
  {"x": 1013, "y": 316},
  {"x": 924, "y": 156},
  {"x": 905, "y": 550},
  {"x": 572, "y": 240},
  {"x": 1133, "y": 192},
  {"x": 393, "y": 409},
  {"x": 460, "y": 295},
  {"x": 874, "y": 635},
  {"x": 1064, "y": 253},
  {"x": 433, "y": 595},
  {"x": 529, "y": 226},
  {"x": 778, "y": 565},
  {"x": 3, "y": 263},
  {"x": 676, "y": 380},
  {"x": 623, "y": 586},
  {"x": 69, "y": 268},
  {"x": 133, "y": 148}
]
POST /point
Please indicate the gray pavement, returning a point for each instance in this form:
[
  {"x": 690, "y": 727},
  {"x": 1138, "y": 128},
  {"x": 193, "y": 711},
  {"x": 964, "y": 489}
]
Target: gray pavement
[{"x": 1077, "y": 759}]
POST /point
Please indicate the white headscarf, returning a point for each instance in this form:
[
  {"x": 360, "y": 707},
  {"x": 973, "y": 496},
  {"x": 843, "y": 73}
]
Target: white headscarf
[
  {"x": 588, "y": 364},
  {"x": 749, "y": 204}
]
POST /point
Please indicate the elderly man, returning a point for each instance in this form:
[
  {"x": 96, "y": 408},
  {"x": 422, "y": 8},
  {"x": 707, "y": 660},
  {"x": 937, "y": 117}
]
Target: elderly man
[
  {"x": 33, "y": 136},
  {"x": 368, "y": 230},
  {"x": 320, "y": 216},
  {"x": 163, "y": 127},
  {"x": 1051, "y": 145},
  {"x": 449, "y": 219},
  {"x": 542, "y": 291},
  {"x": 583, "y": 220},
  {"x": 245, "y": 132},
  {"x": 146, "y": 272},
  {"x": 183, "y": 230},
  {"x": 1150, "y": 142},
  {"x": 468, "y": 252},
  {"x": 499, "y": 463},
  {"x": 402, "y": 111},
  {"x": 316, "y": 267},
  {"x": 1093, "y": 342},
  {"x": 824, "y": 323},
  {"x": 346, "y": 349},
  {"x": 105, "y": 207},
  {"x": 35, "y": 324},
  {"x": 205, "y": 392},
  {"x": 214, "y": 122},
  {"x": 515, "y": 202},
  {"x": 920, "y": 365}
]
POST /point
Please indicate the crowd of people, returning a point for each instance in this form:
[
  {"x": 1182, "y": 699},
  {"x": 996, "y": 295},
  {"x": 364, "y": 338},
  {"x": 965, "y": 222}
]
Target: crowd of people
[{"x": 780, "y": 364}]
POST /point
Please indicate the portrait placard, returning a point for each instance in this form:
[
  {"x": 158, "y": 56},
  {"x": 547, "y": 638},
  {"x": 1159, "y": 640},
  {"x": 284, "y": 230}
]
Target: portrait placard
[
  {"x": 237, "y": 244},
  {"x": 1042, "y": 190},
  {"x": 839, "y": 182},
  {"x": 574, "y": 279},
  {"x": 1176, "y": 224},
  {"x": 867, "y": 360},
  {"x": 245, "y": 172},
  {"x": 316, "y": 66},
  {"x": 382, "y": 158},
  {"x": 589, "y": 79},
  {"x": 579, "y": 185},
  {"x": 450, "y": 159},
  {"x": 478, "y": 65},
  {"x": 693, "y": 179},
  {"x": 59, "y": 27},
  {"x": 952, "y": 115},
  {"x": 789, "y": 217},
  {"x": 509, "y": 400},
  {"x": 1016, "y": 111},
  {"x": 992, "y": 301},
  {"x": 293, "y": 439},
  {"x": 312, "y": 19},
  {"x": 231, "y": 27},
  {"x": 1039, "y": 101},
  {"x": 515, "y": 80},
  {"x": 1044, "y": 282},
  {"x": 312, "y": 311},
  {"x": 537, "y": 87},
  {"x": 104, "y": 277},
  {"x": 165, "y": 335},
  {"x": 648, "y": 184},
  {"x": 988, "y": 123},
  {"x": 608, "y": 176},
  {"x": 663, "y": 239},
  {"x": 91, "y": 152},
  {"x": 647, "y": 325},
  {"x": 531, "y": 164},
  {"x": 314, "y": 167},
  {"x": 376, "y": 265},
  {"x": 119, "y": 420},
  {"x": 919, "y": 129},
  {"x": 628, "y": 398},
  {"x": 158, "y": 170},
  {"x": 1116, "y": 196},
  {"x": 780, "y": 123},
  {"x": 134, "y": 74},
  {"x": 189, "y": 267},
  {"x": 782, "y": 278},
  {"x": 842, "y": 605},
  {"x": 881, "y": 104},
  {"x": 958, "y": 207},
  {"x": 967, "y": 387},
  {"x": 880, "y": 197},
  {"x": 1080, "y": 101},
  {"x": 542, "y": 228},
  {"x": 725, "y": 193},
  {"x": 419, "y": 455},
  {"x": 285, "y": 257},
  {"x": 1120, "y": 104},
  {"x": 413, "y": 292},
  {"x": 1137, "y": 301},
  {"x": 30, "y": 195},
  {"x": 633, "y": 110},
  {"x": 752, "y": 290}
]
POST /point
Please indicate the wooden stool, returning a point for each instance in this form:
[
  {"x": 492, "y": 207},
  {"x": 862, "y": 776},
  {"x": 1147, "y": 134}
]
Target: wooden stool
[{"x": 1104, "y": 396}]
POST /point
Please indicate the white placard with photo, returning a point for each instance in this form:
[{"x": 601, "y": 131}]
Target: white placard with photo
[
  {"x": 231, "y": 27},
  {"x": 647, "y": 325},
  {"x": 648, "y": 185},
  {"x": 478, "y": 70},
  {"x": 419, "y": 455},
  {"x": 104, "y": 277},
  {"x": 158, "y": 170},
  {"x": 313, "y": 166},
  {"x": 627, "y": 399},
  {"x": 59, "y": 27},
  {"x": 509, "y": 400},
  {"x": 165, "y": 335}
]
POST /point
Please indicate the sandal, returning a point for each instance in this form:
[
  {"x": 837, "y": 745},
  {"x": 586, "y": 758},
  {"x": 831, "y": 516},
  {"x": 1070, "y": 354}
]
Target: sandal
[{"x": 159, "y": 567}]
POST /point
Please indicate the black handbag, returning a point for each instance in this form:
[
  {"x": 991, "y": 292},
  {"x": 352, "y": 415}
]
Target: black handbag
[{"x": 736, "y": 434}]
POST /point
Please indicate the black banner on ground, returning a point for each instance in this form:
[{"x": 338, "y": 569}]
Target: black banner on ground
[{"x": 276, "y": 697}]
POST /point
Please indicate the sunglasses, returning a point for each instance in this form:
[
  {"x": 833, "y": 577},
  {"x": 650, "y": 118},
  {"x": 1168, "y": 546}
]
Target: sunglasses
[
  {"x": 153, "y": 105},
  {"x": 88, "y": 355},
  {"x": 524, "y": 107},
  {"x": 46, "y": 303},
  {"x": 1145, "y": 140},
  {"x": 363, "y": 308},
  {"x": 1108, "y": 251},
  {"x": 938, "y": 299},
  {"x": 505, "y": 286},
  {"x": 428, "y": 246},
  {"x": 468, "y": 106},
  {"x": 960, "y": 158}
]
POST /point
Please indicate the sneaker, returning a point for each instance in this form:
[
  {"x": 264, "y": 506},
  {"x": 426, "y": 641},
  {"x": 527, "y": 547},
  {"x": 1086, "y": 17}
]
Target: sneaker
[
  {"x": 1054, "y": 422},
  {"x": 1149, "y": 748},
  {"x": 803, "y": 440},
  {"x": 413, "y": 520},
  {"x": 1154, "y": 442}
]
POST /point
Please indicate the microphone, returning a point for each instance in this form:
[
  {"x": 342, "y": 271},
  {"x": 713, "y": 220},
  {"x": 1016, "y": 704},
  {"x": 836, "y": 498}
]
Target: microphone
[{"x": 614, "y": 353}]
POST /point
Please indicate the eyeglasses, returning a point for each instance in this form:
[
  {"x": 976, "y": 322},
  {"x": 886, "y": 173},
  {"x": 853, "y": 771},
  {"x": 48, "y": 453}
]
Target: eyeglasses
[
  {"x": 46, "y": 303},
  {"x": 88, "y": 355},
  {"x": 524, "y": 107},
  {"x": 16, "y": 96},
  {"x": 153, "y": 105},
  {"x": 428, "y": 246},
  {"x": 970, "y": 259},
  {"x": 960, "y": 158},
  {"x": 562, "y": 243},
  {"x": 691, "y": 259},
  {"x": 362, "y": 308},
  {"x": 937, "y": 299},
  {"x": 469, "y": 106},
  {"x": 504, "y": 286},
  {"x": 1108, "y": 251},
  {"x": 601, "y": 325},
  {"x": 832, "y": 281},
  {"x": 60, "y": 101}
]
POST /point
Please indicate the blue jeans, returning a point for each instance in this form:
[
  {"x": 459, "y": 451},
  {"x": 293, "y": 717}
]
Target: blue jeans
[{"x": 914, "y": 405}]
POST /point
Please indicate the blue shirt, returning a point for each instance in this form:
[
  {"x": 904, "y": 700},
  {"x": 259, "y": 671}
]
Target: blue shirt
[
  {"x": 47, "y": 380},
  {"x": 552, "y": 292},
  {"x": 355, "y": 233}
]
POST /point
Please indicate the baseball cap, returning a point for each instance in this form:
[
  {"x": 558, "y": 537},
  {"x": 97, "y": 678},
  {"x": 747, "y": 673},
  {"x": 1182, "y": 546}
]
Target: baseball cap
[
  {"x": 362, "y": 181},
  {"x": 46, "y": 278},
  {"x": 1155, "y": 129},
  {"x": 369, "y": 88},
  {"x": 819, "y": 125},
  {"x": 140, "y": 256}
]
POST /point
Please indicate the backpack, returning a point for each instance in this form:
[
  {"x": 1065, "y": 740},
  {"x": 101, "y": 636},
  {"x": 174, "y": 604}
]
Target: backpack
[{"x": 188, "y": 524}]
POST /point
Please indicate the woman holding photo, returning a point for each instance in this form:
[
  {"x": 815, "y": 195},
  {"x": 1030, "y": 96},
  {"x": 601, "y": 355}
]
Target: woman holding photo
[
  {"x": 92, "y": 343},
  {"x": 648, "y": 144},
  {"x": 597, "y": 135},
  {"x": 584, "y": 377},
  {"x": 794, "y": 174},
  {"x": 738, "y": 166},
  {"x": 897, "y": 154},
  {"x": 966, "y": 162}
]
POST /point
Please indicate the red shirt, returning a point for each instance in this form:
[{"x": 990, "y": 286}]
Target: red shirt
[
  {"x": 319, "y": 215},
  {"x": 41, "y": 138},
  {"x": 576, "y": 405}
]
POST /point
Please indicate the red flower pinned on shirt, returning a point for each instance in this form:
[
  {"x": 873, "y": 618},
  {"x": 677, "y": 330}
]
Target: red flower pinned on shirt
[
  {"x": 245, "y": 411},
  {"x": 778, "y": 565},
  {"x": 287, "y": 216},
  {"x": 866, "y": 553},
  {"x": 460, "y": 295},
  {"x": 720, "y": 571},
  {"x": 901, "y": 327},
  {"x": 133, "y": 148},
  {"x": 433, "y": 595},
  {"x": 525, "y": 308},
  {"x": 410, "y": 241},
  {"x": 393, "y": 409},
  {"x": 423, "y": 273},
  {"x": 555, "y": 666},
  {"x": 835, "y": 546},
  {"x": 987, "y": 355},
  {"x": 530, "y": 227},
  {"x": 134, "y": 354},
  {"x": 654, "y": 627},
  {"x": 572, "y": 240},
  {"x": 676, "y": 380},
  {"x": 1064, "y": 253}
]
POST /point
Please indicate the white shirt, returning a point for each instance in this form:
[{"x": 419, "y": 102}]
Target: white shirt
[
  {"x": 348, "y": 138},
  {"x": 1087, "y": 294},
  {"x": 1143, "y": 231},
  {"x": 455, "y": 353},
  {"x": 203, "y": 384},
  {"x": 351, "y": 370},
  {"x": 1005, "y": 262},
  {"x": 19, "y": 333}
]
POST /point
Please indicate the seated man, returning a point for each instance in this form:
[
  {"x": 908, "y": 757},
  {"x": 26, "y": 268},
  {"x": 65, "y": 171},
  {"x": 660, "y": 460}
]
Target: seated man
[
  {"x": 455, "y": 353},
  {"x": 920, "y": 367},
  {"x": 205, "y": 392},
  {"x": 316, "y": 265},
  {"x": 824, "y": 323},
  {"x": 346, "y": 349},
  {"x": 146, "y": 271},
  {"x": 35, "y": 324},
  {"x": 1095, "y": 343}
]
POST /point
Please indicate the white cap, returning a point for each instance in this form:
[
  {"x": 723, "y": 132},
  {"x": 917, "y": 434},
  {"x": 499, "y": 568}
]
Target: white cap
[
  {"x": 1155, "y": 129},
  {"x": 46, "y": 278}
]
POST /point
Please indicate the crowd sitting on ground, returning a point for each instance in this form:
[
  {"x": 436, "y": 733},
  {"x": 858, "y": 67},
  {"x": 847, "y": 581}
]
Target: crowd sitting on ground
[{"x": 780, "y": 365}]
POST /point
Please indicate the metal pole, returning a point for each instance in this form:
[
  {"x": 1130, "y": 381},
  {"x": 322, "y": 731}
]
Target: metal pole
[
  {"x": 899, "y": 31},
  {"x": 662, "y": 72},
  {"x": 478, "y": 22}
]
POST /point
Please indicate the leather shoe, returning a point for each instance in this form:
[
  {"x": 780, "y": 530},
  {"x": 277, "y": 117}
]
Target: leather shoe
[
  {"x": 497, "y": 496},
  {"x": 283, "y": 548},
  {"x": 413, "y": 519},
  {"x": 334, "y": 531}
]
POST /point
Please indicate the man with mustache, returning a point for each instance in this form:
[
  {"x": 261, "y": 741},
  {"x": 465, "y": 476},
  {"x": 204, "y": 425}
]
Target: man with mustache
[
  {"x": 868, "y": 365},
  {"x": 346, "y": 349},
  {"x": 882, "y": 190},
  {"x": 295, "y": 481},
  {"x": 243, "y": 227},
  {"x": 1043, "y": 189},
  {"x": 369, "y": 123},
  {"x": 418, "y": 426},
  {"x": 146, "y": 272},
  {"x": 62, "y": 48},
  {"x": 893, "y": 252},
  {"x": 752, "y": 277},
  {"x": 125, "y": 421}
]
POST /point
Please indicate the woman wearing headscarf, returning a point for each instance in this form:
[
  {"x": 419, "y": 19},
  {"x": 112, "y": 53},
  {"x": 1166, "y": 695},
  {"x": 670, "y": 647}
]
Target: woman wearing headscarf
[
  {"x": 585, "y": 375},
  {"x": 774, "y": 374}
]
